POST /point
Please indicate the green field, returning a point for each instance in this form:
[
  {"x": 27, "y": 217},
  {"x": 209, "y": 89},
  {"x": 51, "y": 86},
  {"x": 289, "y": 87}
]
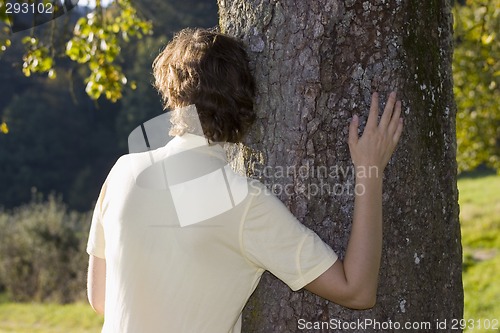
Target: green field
[
  {"x": 480, "y": 219},
  {"x": 48, "y": 318}
]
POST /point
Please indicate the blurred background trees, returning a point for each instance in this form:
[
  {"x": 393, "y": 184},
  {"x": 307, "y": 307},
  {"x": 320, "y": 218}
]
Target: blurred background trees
[
  {"x": 73, "y": 88},
  {"x": 61, "y": 132},
  {"x": 476, "y": 72}
]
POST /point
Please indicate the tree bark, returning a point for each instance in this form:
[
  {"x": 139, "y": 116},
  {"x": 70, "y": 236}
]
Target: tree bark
[{"x": 316, "y": 64}]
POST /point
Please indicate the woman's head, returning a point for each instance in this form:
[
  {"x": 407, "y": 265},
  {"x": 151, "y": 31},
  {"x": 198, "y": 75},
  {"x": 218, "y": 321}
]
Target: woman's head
[{"x": 210, "y": 70}]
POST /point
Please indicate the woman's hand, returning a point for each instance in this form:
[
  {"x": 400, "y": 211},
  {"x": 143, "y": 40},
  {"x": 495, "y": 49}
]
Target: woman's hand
[
  {"x": 353, "y": 282},
  {"x": 376, "y": 145}
]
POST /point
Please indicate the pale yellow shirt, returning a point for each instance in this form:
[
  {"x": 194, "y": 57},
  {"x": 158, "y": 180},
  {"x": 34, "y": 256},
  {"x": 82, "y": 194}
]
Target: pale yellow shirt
[{"x": 183, "y": 255}]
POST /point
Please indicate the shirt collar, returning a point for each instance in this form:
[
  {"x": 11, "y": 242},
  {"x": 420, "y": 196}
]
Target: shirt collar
[{"x": 189, "y": 141}]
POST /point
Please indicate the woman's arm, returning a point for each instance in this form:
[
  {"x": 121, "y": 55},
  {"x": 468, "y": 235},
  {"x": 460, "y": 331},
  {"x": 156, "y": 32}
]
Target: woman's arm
[
  {"x": 353, "y": 282},
  {"x": 96, "y": 283}
]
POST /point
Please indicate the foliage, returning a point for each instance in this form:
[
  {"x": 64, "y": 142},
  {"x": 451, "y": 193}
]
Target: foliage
[
  {"x": 39, "y": 55},
  {"x": 42, "y": 252},
  {"x": 96, "y": 42},
  {"x": 476, "y": 72},
  {"x": 4, "y": 28},
  {"x": 37, "y": 58},
  {"x": 4, "y": 128},
  {"x": 97, "y": 38}
]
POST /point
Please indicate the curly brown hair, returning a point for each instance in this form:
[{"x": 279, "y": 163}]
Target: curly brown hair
[{"x": 210, "y": 70}]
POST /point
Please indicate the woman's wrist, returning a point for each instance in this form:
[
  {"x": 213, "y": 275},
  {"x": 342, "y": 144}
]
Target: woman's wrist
[{"x": 368, "y": 171}]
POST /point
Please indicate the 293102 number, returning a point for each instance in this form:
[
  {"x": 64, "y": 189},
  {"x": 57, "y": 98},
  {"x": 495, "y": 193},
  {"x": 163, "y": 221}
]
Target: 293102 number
[
  {"x": 488, "y": 324},
  {"x": 25, "y": 8}
]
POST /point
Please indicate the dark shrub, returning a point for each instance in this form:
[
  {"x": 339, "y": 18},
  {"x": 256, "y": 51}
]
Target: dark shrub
[{"x": 42, "y": 252}]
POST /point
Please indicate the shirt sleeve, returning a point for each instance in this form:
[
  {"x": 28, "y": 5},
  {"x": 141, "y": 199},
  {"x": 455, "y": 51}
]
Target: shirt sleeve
[
  {"x": 275, "y": 240},
  {"x": 96, "y": 242}
]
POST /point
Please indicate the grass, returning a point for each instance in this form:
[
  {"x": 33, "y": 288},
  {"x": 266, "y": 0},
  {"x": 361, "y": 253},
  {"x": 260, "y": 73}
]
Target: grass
[
  {"x": 480, "y": 222},
  {"x": 48, "y": 318},
  {"x": 480, "y": 212}
]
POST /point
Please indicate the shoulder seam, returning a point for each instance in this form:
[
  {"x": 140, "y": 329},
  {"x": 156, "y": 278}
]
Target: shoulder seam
[{"x": 240, "y": 236}]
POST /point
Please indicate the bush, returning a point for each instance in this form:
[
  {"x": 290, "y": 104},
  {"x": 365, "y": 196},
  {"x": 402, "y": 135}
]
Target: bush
[{"x": 42, "y": 252}]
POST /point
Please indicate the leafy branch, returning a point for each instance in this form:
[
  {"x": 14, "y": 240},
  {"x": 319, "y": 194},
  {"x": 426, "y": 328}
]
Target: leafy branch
[{"x": 96, "y": 42}]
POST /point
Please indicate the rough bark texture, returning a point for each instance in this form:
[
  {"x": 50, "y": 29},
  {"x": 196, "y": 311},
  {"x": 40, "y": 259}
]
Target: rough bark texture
[{"x": 316, "y": 64}]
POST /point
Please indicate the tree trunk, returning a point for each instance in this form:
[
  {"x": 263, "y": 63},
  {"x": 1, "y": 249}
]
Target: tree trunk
[{"x": 316, "y": 63}]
